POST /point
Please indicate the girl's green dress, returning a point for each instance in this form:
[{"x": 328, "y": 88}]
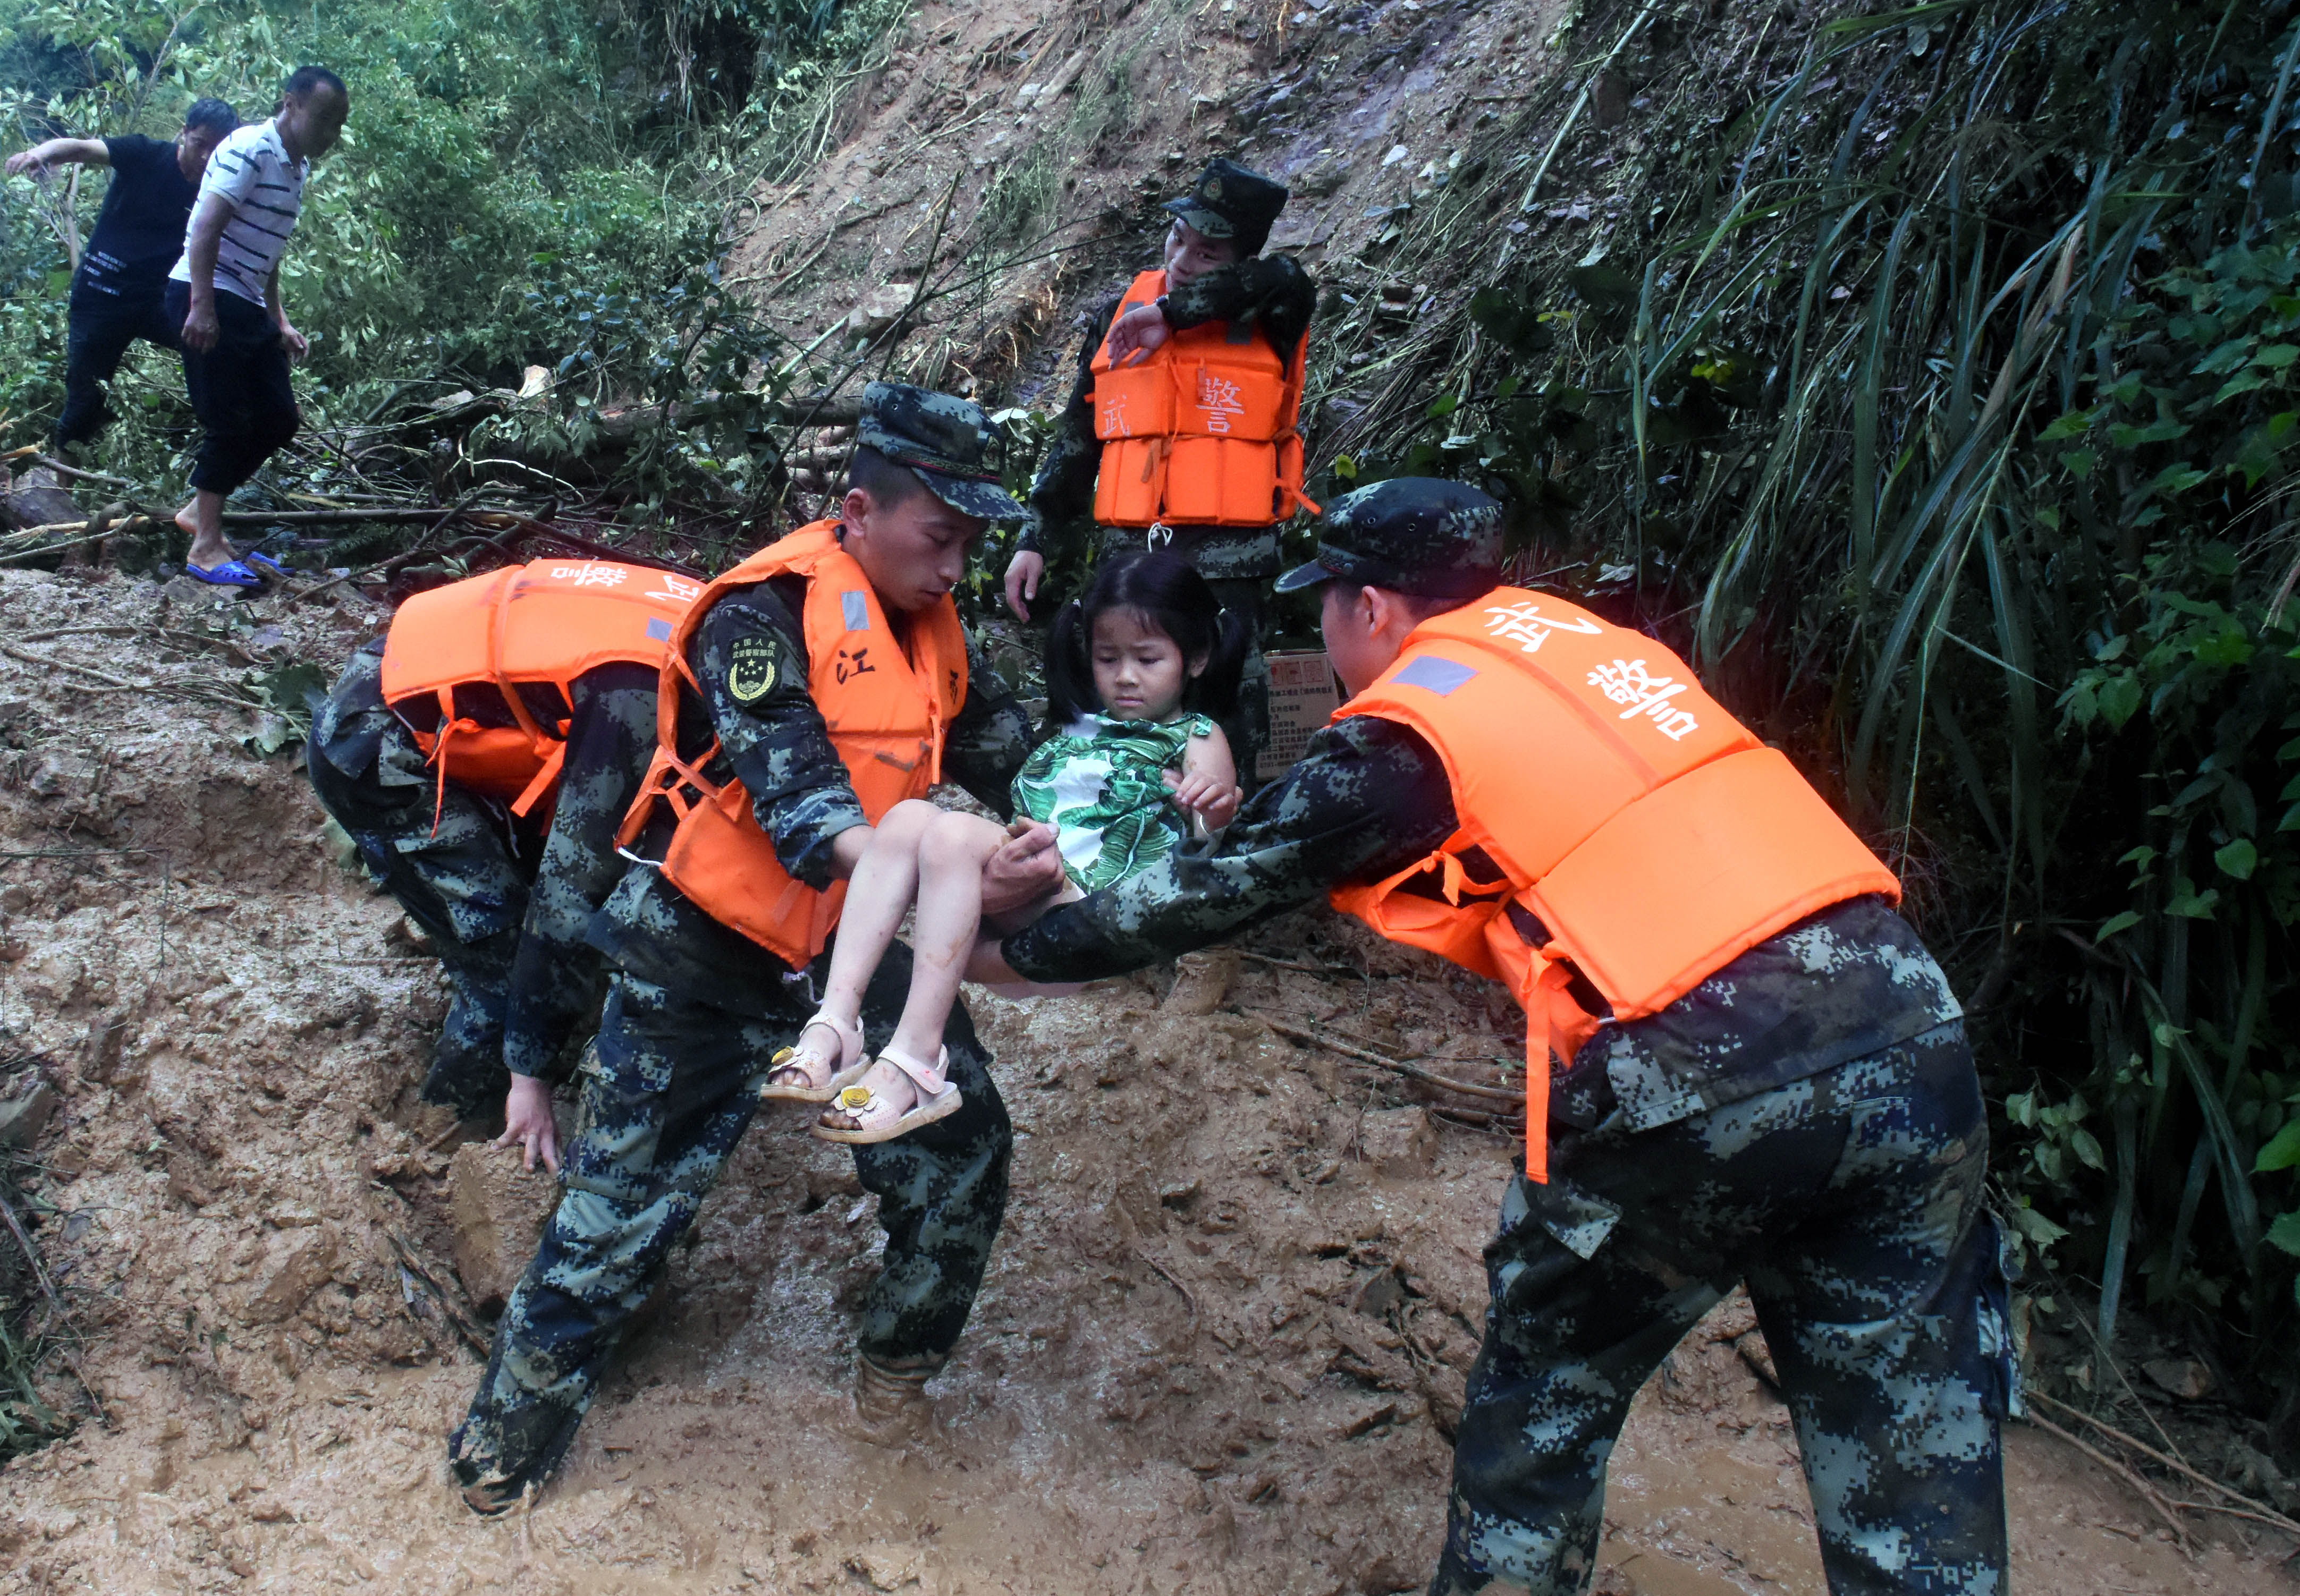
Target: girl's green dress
[{"x": 1099, "y": 783}]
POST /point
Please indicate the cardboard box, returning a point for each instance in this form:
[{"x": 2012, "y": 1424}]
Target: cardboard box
[{"x": 1303, "y": 697}]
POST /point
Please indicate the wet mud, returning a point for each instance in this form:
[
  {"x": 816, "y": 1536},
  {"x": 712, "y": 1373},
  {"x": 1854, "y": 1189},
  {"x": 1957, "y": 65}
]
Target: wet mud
[{"x": 1220, "y": 1349}]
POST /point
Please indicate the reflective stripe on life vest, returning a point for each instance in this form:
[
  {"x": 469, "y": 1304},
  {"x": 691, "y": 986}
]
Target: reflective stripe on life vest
[
  {"x": 545, "y": 623},
  {"x": 887, "y": 704},
  {"x": 1202, "y": 431},
  {"x": 1638, "y": 834}
]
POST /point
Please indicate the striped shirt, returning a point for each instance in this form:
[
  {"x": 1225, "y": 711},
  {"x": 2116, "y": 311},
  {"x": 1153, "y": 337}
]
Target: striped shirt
[{"x": 250, "y": 170}]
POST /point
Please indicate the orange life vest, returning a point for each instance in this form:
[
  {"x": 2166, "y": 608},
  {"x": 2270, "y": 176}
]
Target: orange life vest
[
  {"x": 544, "y": 623},
  {"x": 1643, "y": 836},
  {"x": 887, "y": 704},
  {"x": 1201, "y": 433}
]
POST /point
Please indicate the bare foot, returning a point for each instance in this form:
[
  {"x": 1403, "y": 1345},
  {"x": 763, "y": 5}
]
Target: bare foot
[
  {"x": 206, "y": 552},
  {"x": 809, "y": 1071}
]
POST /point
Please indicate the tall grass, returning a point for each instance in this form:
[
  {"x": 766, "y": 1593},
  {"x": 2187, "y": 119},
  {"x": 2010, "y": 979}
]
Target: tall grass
[{"x": 1942, "y": 409}]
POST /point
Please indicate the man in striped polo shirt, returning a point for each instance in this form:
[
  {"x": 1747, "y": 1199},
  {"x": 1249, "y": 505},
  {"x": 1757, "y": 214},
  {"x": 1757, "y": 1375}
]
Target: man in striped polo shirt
[{"x": 225, "y": 291}]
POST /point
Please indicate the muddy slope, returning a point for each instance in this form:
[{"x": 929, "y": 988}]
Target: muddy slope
[
  {"x": 1016, "y": 152},
  {"x": 1220, "y": 1349}
]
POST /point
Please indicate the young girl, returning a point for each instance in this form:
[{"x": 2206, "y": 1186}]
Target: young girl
[{"x": 1135, "y": 673}]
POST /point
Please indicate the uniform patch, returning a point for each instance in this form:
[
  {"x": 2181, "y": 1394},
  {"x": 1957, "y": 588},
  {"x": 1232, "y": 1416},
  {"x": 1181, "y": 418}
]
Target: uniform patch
[
  {"x": 753, "y": 672},
  {"x": 1439, "y": 675}
]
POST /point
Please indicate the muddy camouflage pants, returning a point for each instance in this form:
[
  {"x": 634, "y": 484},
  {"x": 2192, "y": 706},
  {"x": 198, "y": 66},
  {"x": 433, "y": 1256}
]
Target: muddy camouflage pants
[
  {"x": 667, "y": 1090},
  {"x": 465, "y": 882},
  {"x": 1851, "y": 1204}
]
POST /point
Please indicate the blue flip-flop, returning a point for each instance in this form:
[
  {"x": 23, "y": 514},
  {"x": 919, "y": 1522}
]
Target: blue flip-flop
[
  {"x": 258, "y": 557},
  {"x": 231, "y": 573}
]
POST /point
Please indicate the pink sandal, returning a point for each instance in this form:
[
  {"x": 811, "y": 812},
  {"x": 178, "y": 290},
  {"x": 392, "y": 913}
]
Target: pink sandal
[
  {"x": 937, "y": 1099},
  {"x": 790, "y": 1061}
]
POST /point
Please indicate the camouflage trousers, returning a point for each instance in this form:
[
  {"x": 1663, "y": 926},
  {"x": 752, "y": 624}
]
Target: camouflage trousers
[
  {"x": 668, "y": 1089},
  {"x": 465, "y": 881},
  {"x": 1850, "y": 1202}
]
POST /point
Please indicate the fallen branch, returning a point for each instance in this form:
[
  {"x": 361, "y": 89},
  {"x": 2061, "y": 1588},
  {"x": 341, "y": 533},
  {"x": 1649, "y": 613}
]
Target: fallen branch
[
  {"x": 31, "y": 451},
  {"x": 132, "y": 523},
  {"x": 2258, "y": 1509},
  {"x": 1395, "y": 1066},
  {"x": 55, "y": 1305},
  {"x": 2148, "y": 1492},
  {"x": 457, "y": 1316}
]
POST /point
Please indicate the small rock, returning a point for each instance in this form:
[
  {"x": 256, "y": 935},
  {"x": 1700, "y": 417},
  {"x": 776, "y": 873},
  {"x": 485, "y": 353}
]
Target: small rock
[
  {"x": 1614, "y": 1581},
  {"x": 499, "y": 1211},
  {"x": 1609, "y": 98},
  {"x": 1204, "y": 983},
  {"x": 296, "y": 1264},
  {"x": 885, "y": 1568},
  {"x": 2183, "y": 1377},
  {"x": 23, "y": 1117},
  {"x": 881, "y": 310},
  {"x": 1398, "y": 1141},
  {"x": 1381, "y": 1414}
]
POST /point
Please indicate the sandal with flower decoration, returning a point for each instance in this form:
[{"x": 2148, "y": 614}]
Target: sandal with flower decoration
[
  {"x": 794, "y": 1070},
  {"x": 860, "y": 1116}
]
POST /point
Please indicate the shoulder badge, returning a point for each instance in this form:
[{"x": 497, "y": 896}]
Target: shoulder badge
[{"x": 753, "y": 672}]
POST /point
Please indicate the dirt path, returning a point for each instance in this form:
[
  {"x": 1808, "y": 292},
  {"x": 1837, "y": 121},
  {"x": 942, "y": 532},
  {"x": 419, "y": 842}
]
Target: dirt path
[{"x": 1219, "y": 1349}]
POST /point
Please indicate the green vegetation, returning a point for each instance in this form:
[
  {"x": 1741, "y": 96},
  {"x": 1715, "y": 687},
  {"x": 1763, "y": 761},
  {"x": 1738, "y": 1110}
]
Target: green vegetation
[
  {"x": 530, "y": 182},
  {"x": 1933, "y": 382}
]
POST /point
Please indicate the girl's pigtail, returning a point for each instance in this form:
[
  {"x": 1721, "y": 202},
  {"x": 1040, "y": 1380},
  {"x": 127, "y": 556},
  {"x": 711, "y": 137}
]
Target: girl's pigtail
[
  {"x": 1217, "y": 688},
  {"x": 1069, "y": 679}
]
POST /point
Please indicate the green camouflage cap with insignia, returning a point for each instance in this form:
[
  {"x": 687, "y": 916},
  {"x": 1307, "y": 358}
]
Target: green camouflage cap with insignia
[
  {"x": 1231, "y": 200},
  {"x": 951, "y": 443},
  {"x": 1417, "y": 534}
]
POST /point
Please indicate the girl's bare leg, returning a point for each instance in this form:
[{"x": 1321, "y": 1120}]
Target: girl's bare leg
[
  {"x": 950, "y": 858},
  {"x": 878, "y": 895}
]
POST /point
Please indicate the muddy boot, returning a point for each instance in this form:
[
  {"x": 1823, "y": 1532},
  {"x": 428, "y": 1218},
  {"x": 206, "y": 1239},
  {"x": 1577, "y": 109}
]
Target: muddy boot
[
  {"x": 891, "y": 1406},
  {"x": 1203, "y": 982}
]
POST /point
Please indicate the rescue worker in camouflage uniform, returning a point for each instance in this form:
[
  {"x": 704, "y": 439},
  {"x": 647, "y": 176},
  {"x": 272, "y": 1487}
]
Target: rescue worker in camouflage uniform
[
  {"x": 506, "y": 900},
  {"x": 1215, "y": 274},
  {"x": 697, "y": 1012},
  {"x": 1805, "y": 1121}
]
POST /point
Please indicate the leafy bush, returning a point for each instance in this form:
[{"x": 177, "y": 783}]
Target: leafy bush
[{"x": 1945, "y": 377}]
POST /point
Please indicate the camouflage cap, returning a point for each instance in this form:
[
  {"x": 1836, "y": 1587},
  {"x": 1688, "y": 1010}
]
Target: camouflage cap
[
  {"x": 1417, "y": 535},
  {"x": 949, "y": 443},
  {"x": 1232, "y": 201}
]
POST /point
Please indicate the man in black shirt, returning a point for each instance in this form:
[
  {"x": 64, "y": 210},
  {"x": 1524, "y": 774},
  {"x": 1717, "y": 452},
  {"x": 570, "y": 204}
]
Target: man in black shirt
[{"x": 116, "y": 294}]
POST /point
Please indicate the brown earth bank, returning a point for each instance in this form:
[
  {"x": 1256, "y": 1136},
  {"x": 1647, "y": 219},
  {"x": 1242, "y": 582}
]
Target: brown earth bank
[{"x": 1220, "y": 1347}]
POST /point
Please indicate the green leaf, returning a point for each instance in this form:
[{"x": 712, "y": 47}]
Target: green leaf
[
  {"x": 2071, "y": 425},
  {"x": 2193, "y": 905},
  {"x": 2036, "y": 1229},
  {"x": 2120, "y": 698},
  {"x": 2282, "y": 1152},
  {"x": 2155, "y": 432},
  {"x": 1444, "y": 405},
  {"x": 2276, "y": 356},
  {"x": 2078, "y": 462},
  {"x": 2088, "y": 1148},
  {"x": 2116, "y": 923},
  {"x": 2239, "y": 858}
]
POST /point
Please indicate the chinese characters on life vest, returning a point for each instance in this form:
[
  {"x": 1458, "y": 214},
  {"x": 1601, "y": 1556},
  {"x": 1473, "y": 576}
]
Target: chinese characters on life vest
[
  {"x": 1218, "y": 396},
  {"x": 1629, "y": 682},
  {"x": 1624, "y": 681},
  {"x": 668, "y": 589}
]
